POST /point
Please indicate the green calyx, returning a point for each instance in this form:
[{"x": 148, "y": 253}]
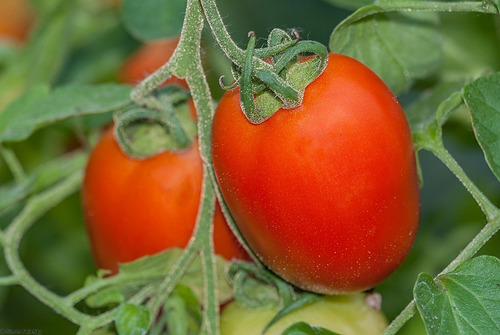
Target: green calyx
[
  {"x": 280, "y": 81},
  {"x": 163, "y": 124}
]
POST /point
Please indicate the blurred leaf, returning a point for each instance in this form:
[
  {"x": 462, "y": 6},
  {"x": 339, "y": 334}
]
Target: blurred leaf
[
  {"x": 100, "y": 59},
  {"x": 39, "y": 107},
  {"x": 182, "y": 311},
  {"x": 399, "y": 47},
  {"x": 49, "y": 44},
  {"x": 10, "y": 195},
  {"x": 497, "y": 4},
  {"x": 132, "y": 320},
  {"x": 153, "y": 19},
  {"x": 465, "y": 301},
  {"x": 44, "y": 176},
  {"x": 107, "y": 297},
  {"x": 350, "y": 4},
  {"x": 302, "y": 328},
  {"x": 470, "y": 45},
  {"x": 256, "y": 287},
  {"x": 41, "y": 59},
  {"x": 422, "y": 111},
  {"x": 483, "y": 100}
]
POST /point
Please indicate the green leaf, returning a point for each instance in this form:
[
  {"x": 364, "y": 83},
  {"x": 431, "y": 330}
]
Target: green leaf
[
  {"x": 39, "y": 107},
  {"x": 40, "y": 61},
  {"x": 183, "y": 312},
  {"x": 302, "y": 328},
  {"x": 483, "y": 100},
  {"x": 132, "y": 320},
  {"x": 497, "y": 4},
  {"x": 350, "y": 4},
  {"x": 256, "y": 287},
  {"x": 153, "y": 19},
  {"x": 305, "y": 299},
  {"x": 465, "y": 301},
  {"x": 108, "y": 297},
  {"x": 399, "y": 47},
  {"x": 158, "y": 266},
  {"x": 423, "y": 112}
]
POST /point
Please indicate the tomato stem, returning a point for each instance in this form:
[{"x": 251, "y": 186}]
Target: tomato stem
[
  {"x": 438, "y": 149},
  {"x": 486, "y": 7},
  {"x": 34, "y": 209},
  {"x": 13, "y": 163},
  {"x": 492, "y": 213}
]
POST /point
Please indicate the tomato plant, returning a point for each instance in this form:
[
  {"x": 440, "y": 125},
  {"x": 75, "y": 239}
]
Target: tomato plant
[
  {"x": 347, "y": 315},
  {"x": 318, "y": 175},
  {"x": 326, "y": 194},
  {"x": 16, "y": 19},
  {"x": 136, "y": 208}
]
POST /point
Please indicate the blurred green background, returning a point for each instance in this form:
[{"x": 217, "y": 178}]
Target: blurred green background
[{"x": 56, "y": 249}]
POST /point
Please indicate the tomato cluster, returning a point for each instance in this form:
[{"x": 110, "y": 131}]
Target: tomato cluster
[{"x": 326, "y": 194}]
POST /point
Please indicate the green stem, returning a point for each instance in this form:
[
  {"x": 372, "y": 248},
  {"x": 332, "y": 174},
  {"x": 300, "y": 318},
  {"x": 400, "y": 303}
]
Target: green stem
[
  {"x": 438, "y": 6},
  {"x": 492, "y": 227},
  {"x": 403, "y": 317},
  {"x": 128, "y": 279},
  {"x": 232, "y": 51},
  {"x": 34, "y": 209},
  {"x": 438, "y": 149},
  {"x": 385, "y": 6},
  {"x": 489, "y": 230},
  {"x": 14, "y": 165},
  {"x": 175, "y": 274},
  {"x": 9, "y": 280},
  {"x": 205, "y": 234},
  {"x": 150, "y": 83}
]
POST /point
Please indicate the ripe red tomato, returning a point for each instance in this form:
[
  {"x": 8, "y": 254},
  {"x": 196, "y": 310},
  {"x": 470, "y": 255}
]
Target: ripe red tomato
[
  {"x": 326, "y": 194},
  {"x": 147, "y": 59},
  {"x": 135, "y": 208},
  {"x": 16, "y": 19}
]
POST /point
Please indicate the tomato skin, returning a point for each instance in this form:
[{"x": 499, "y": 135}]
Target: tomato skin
[
  {"x": 347, "y": 315},
  {"x": 135, "y": 208},
  {"x": 326, "y": 194},
  {"x": 147, "y": 59},
  {"x": 16, "y": 19}
]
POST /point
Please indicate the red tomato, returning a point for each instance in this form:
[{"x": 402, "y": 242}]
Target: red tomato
[
  {"x": 16, "y": 19},
  {"x": 326, "y": 194},
  {"x": 135, "y": 208},
  {"x": 147, "y": 59}
]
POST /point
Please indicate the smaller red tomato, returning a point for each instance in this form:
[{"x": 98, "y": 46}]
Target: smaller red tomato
[
  {"x": 147, "y": 59},
  {"x": 136, "y": 208},
  {"x": 16, "y": 20}
]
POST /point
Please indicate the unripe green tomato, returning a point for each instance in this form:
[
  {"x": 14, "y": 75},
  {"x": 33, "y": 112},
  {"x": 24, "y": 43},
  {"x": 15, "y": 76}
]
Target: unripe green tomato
[{"x": 346, "y": 315}]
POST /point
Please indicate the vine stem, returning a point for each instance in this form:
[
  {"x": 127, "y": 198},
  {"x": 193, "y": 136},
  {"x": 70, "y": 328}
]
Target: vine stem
[
  {"x": 14, "y": 165},
  {"x": 438, "y": 149},
  {"x": 186, "y": 63},
  {"x": 492, "y": 227},
  {"x": 34, "y": 209},
  {"x": 486, "y": 7}
]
